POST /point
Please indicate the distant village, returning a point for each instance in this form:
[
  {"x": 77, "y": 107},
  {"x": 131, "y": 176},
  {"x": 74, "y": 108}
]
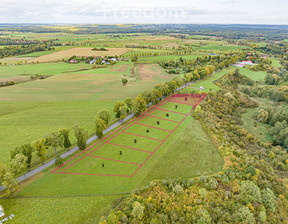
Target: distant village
[{"x": 99, "y": 60}]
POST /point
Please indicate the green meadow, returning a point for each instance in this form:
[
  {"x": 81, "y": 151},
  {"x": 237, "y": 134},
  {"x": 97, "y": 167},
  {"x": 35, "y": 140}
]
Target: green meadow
[
  {"x": 33, "y": 109},
  {"x": 255, "y": 76}
]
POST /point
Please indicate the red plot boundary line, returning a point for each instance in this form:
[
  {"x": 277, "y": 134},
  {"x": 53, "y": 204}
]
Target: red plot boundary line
[
  {"x": 152, "y": 127},
  {"x": 128, "y": 147},
  {"x": 143, "y": 136},
  {"x": 169, "y": 135},
  {"x": 148, "y": 115},
  {"x": 171, "y": 111},
  {"x": 181, "y": 102},
  {"x": 97, "y": 174},
  {"x": 141, "y": 117},
  {"x": 115, "y": 160}
]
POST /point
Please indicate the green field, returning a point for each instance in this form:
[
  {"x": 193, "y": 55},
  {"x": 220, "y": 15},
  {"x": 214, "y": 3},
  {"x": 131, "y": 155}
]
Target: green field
[
  {"x": 208, "y": 82},
  {"x": 261, "y": 130},
  {"x": 275, "y": 62},
  {"x": 255, "y": 76},
  {"x": 23, "y": 72},
  {"x": 32, "y": 110}
]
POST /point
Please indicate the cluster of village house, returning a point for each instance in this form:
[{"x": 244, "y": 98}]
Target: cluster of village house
[
  {"x": 249, "y": 62},
  {"x": 106, "y": 61}
]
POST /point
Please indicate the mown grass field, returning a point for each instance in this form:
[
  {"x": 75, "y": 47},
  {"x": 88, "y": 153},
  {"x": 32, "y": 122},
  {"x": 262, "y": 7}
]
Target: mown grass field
[
  {"x": 186, "y": 153},
  {"x": 23, "y": 72}
]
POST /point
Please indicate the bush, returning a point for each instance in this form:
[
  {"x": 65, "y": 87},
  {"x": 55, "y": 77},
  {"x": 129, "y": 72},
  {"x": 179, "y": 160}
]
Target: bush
[
  {"x": 245, "y": 216},
  {"x": 249, "y": 192},
  {"x": 269, "y": 199},
  {"x": 262, "y": 216},
  {"x": 138, "y": 210},
  {"x": 178, "y": 189},
  {"x": 205, "y": 217}
]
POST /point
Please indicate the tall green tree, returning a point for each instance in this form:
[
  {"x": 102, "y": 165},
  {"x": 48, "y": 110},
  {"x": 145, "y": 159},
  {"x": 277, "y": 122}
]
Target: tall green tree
[
  {"x": 25, "y": 150},
  {"x": 55, "y": 140},
  {"x": 19, "y": 163},
  {"x": 65, "y": 133},
  {"x": 100, "y": 126},
  {"x": 141, "y": 105},
  {"x": 9, "y": 182},
  {"x": 81, "y": 135},
  {"x": 40, "y": 148},
  {"x": 120, "y": 110},
  {"x": 131, "y": 104},
  {"x": 104, "y": 115}
]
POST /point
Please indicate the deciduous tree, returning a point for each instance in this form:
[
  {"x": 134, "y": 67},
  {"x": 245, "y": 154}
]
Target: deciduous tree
[
  {"x": 81, "y": 135},
  {"x": 40, "y": 148}
]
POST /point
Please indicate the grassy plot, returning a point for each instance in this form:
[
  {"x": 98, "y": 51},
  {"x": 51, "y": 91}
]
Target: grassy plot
[
  {"x": 87, "y": 85},
  {"x": 169, "y": 116},
  {"x": 275, "y": 62},
  {"x": 23, "y": 72},
  {"x": 97, "y": 166},
  {"x": 120, "y": 153},
  {"x": 261, "y": 130},
  {"x": 255, "y": 76},
  {"x": 155, "y": 59},
  {"x": 208, "y": 82},
  {"x": 158, "y": 123},
  {"x": 191, "y": 151},
  {"x": 58, "y": 210},
  {"x": 176, "y": 107},
  {"x": 137, "y": 142},
  {"x": 22, "y": 122},
  {"x": 148, "y": 132}
]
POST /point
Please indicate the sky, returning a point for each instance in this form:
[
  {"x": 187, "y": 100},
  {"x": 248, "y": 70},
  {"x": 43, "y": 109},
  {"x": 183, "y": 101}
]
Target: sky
[{"x": 145, "y": 11}]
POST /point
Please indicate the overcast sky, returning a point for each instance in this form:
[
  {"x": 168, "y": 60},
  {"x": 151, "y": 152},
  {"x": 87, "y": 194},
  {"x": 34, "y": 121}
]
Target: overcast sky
[{"x": 144, "y": 11}]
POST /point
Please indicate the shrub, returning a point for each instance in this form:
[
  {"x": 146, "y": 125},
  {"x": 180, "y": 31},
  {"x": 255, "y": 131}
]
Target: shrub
[
  {"x": 249, "y": 192},
  {"x": 245, "y": 216},
  {"x": 262, "y": 216},
  {"x": 178, "y": 189},
  {"x": 251, "y": 169},
  {"x": 203, "y": 192},
  {"x": 205, "y": 217},
  {"x": 138, "y": 210},
  {"x": 269, "y": 199}
]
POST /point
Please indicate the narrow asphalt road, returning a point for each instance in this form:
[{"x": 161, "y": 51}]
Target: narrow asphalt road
[{"x": 75, "y": 149}]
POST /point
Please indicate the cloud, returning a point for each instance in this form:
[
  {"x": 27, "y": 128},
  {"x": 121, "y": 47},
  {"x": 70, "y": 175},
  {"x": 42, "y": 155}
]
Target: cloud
[{"x": 148, "y": 11}]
